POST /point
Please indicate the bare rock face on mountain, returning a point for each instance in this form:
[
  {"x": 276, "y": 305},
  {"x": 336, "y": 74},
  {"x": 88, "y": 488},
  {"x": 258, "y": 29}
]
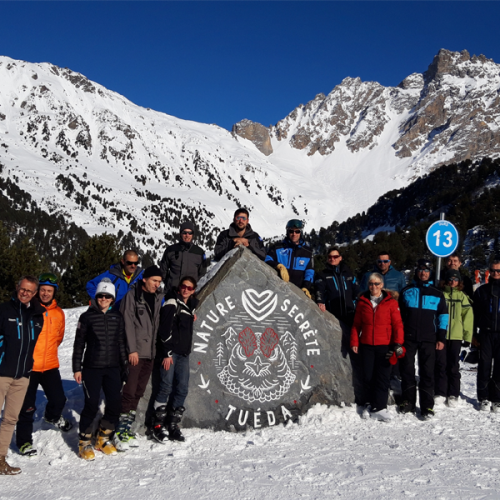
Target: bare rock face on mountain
[
  {"x": 263, "y": 353},
  {"x": 256, "y": 133}
]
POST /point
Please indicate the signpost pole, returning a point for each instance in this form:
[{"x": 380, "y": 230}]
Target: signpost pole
[{"x": 438, "y": 265}]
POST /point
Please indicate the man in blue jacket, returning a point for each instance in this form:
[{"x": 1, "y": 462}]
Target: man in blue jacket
[
  {"x": 425, "y": 318},
  {"x": 21, "y": 321},
  {"x": 123, "y": 275},
  {"x": 393, "y": 280},
  {"x": 292, "y": 258}
]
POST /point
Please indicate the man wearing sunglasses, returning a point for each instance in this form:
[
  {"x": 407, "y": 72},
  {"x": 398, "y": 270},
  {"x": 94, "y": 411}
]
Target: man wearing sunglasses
[
  {"x": 239, "y": 233},
  {"x": 292, "y": 258},
  {"x": 486, "y": 307},
  {"x": 183, "y": 258},
  {"x": 393, "y": 280},
  {"x": 45, "y": 370},
  {"x": 425, "y": 318},
  {"x": 141, "y": 313},
  {"x": 21, "y": 321},
  {"x": 123, "y": 275}
]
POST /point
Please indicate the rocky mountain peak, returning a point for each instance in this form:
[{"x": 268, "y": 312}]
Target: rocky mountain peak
[{"x": 254, "y": 132}]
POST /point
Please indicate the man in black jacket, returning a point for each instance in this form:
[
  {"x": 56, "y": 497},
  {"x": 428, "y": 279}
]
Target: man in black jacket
[
  {"x": 21, "y": 321},
  {"x": 239, "y": 233},
  {"x": 183, "y": 258},
  {"x": 425, "y": 318},
  {"x": 486, "y": 306}
]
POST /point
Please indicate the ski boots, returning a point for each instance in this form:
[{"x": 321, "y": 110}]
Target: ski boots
[
  {"x": 27, "y": 450},
  {"x": 103, "y": 442},
  {"x": 173, "y": 419},
  {"x": 85, "y": 448}
]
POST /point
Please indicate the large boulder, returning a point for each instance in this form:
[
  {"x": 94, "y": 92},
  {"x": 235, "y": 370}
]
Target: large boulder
[{"x": 263, "y": 353}]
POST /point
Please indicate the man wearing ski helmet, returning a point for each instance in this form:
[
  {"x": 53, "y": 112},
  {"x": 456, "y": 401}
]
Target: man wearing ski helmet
[
  {"x": 45, "y": 369},
  {"x": 183, "y": 258},
  {"x": 293, "y": 258},
  {"x": 425, "y": 318}
]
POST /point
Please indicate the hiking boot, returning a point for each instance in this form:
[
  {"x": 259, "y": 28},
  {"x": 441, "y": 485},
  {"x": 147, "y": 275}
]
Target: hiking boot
[
  {"x": 485, "y": 405},
  {"x": 61, "y": 423},
  {"x": 104, "y": 443},
  {"x": 85, "y": 448},
  {"x": 407, "y": 407},
  {"x": 452, "y": 401},
  {"x": 27, "y": 450},
  {"x": 173, "y": 419},
  {"x": 427, "y": 414},
  {"x": 382, "y": 415},
  {"x": 6, "y": 469},
  {"x": 495, "y": 407}
]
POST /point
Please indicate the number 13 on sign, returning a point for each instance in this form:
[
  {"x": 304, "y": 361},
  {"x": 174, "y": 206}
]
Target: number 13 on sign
[{"x": 442, "y": 238}]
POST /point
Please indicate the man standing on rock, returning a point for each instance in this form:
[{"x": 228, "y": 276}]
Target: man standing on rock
[
  {"x": 123, "y": 275},
  {"x": 239, "y": 233},
  {"x": 292, "y": 258},
  {"x": 393, "y": 280},
  {"x": 183, "y": 258},
  {"x": 21, "y": 321},
  {"x": 141, "y": 312}
]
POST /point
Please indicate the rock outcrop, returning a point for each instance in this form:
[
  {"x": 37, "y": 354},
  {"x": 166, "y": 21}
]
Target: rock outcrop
[{"x": 256, "y": 133}]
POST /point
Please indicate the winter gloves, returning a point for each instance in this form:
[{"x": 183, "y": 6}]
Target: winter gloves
[
  {"x": 283, "y": 272},
  {"x": 307, "y": 292}
]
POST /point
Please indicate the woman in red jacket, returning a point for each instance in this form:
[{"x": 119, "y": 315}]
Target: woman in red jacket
[{"x": 377, "y": 335}]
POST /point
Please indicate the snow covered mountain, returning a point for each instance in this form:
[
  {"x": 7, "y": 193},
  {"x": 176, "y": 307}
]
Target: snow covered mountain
[{"x": 92, "y": 156}]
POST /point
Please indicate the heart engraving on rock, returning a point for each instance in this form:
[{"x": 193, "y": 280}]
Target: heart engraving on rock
[{"x": 259, "y": 305}]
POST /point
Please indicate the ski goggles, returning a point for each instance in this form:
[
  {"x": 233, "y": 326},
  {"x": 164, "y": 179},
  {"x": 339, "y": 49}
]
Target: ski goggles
[{"x": 48, "y": 279}]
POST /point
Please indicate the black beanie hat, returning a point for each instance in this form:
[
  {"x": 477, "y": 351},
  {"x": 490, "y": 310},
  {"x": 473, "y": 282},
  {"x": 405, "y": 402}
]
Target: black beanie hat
[
  {"x": 187, "y": 225},
  {"x": 152, "y": 271},
  {"x": 452, "y": 273}
]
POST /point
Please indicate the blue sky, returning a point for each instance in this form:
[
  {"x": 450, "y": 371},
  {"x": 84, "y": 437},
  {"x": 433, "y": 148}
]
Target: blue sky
[{"x": 220, "y": 62}]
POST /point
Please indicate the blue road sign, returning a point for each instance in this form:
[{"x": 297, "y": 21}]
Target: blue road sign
[{"x": 442, "y": 238}]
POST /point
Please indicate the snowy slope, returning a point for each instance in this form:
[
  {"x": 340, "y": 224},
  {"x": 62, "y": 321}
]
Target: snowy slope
[
  {"x": 109, "y": 165},
  {"x": 330, "y": 453}
]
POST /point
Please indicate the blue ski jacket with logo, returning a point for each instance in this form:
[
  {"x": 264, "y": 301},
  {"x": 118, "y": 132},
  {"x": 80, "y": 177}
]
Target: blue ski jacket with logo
[
  {"x": 424, "y": 312},
  {"x": 20, "y": 327},
  {"x": 298, "y": 259}
]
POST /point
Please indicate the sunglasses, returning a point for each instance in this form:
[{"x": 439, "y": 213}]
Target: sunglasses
[
  {"x": 453, "y": 279},
  {"x": 424, "y": 270},
  {"x": 187, "y": 287},
  {"x": 240, "y": 217},
  {"x": 294, "y": 231},
  {"x": 334, "y": 257},
  {"x": 132, "y": 263},
  {"x": 495, "y": 271},
  {"x": 375, "y": 284},
  {"x": 383, "y": 261},
  {"x": 48, "y": 277},
  {"x": 187, "y": 232},
  {"x": 104, "y": 296}
]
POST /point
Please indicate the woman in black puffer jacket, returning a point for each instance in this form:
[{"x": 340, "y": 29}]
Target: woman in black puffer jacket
[{"x": 100, "y": 341}]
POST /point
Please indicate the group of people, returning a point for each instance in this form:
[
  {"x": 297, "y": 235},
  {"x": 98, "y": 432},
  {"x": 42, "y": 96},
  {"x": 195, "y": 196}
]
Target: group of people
[{"x": 136, "y": 330}]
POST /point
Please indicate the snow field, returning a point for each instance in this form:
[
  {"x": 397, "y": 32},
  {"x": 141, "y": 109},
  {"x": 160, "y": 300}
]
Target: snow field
[{"x": 331, "y": 452}]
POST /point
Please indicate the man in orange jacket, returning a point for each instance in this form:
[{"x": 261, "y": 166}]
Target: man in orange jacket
[{"x": 45, "y": 370}]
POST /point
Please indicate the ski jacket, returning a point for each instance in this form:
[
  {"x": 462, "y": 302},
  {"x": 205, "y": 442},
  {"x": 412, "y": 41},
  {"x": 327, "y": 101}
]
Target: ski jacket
[
  {"x": 182, "y": 260},
  {"x": 115, "y": 274},
  {"x": 99, "y": 340},
  {"x": 424, "y": 312},
  {"x": 52, "y": 334},
  {"x": 380, "y": 326},
  {"x": 486, "y": 306},
  {"x": 298, "y": 259},
  {"x": 141, "y": 327},
  {"x": 461, "y": 321},
  {"x": 176, "y": 326},
  {"x": 20, "y": 327},
  {"x": 336, "y": 287},
  {"x": 393, "y": 280},
  {"x": 225, "y": 242}
]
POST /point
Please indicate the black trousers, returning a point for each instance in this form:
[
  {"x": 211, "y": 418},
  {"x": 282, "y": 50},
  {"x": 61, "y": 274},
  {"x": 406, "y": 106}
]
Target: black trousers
[
  {"x": 93, "y": 380},
  {"x": 136, "y": 384},
  {"x": 488, "y": 383},
  {"x": 376, "y": 375},
  {"x": 447, "y": 369},
  {"x": 51, "y": 383},
  {"x": 426, "y": 358}
]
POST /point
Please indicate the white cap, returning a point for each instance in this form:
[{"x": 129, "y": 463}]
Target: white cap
[{"x": 106, "y": 286}]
